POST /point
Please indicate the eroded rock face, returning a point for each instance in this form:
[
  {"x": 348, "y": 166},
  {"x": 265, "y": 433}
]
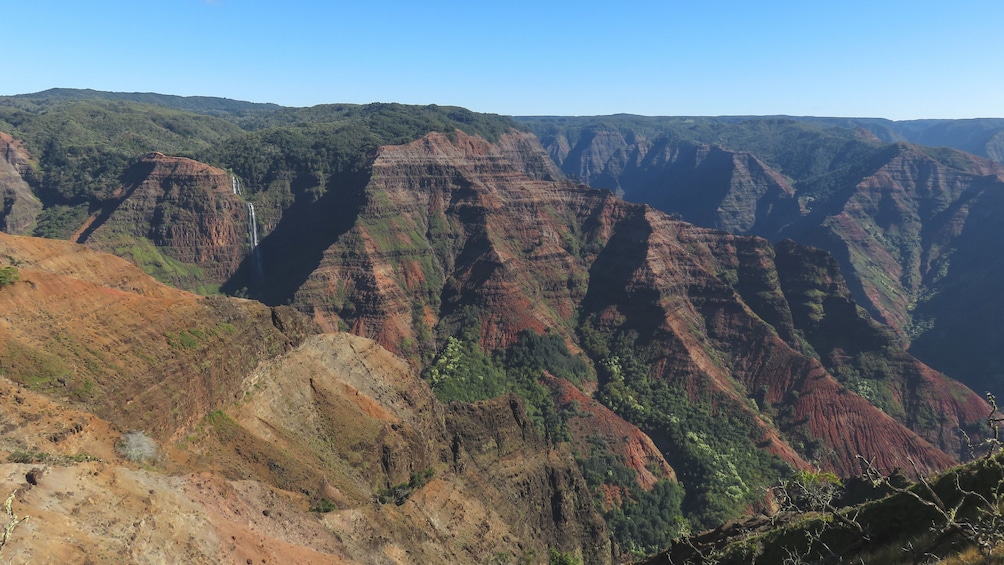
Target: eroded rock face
[
  {"x": 18, "y": 205},
  {"x": 458, "y": 483},
  {"x": 904, "y": 220},
  {"x": 495, "y": 445},
  {"x": 709, "y": 339},
  {"x": 704, "y": 184},
  {"x": 919, "y": 243},
  {"x": 447, "y": 225},
  {"x": 93, "y": 329},
  {"x": 257, "y": 421},
  {"x": 177, "y": 218},
  {"x": 454, "y": 224}
]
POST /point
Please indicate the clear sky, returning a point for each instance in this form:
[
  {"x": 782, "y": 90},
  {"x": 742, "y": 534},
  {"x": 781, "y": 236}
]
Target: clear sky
[{"x": 894, "y": 59}]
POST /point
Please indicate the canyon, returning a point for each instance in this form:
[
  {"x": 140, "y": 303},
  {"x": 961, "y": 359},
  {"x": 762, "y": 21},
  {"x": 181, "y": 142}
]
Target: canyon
[{"x": 692, "y": 343}]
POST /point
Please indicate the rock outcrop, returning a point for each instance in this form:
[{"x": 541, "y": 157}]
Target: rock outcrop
[
  {"x": 711, "y": 185},
  {"x": 438, "y": 229},
  {"x": 916, "y": 238}
]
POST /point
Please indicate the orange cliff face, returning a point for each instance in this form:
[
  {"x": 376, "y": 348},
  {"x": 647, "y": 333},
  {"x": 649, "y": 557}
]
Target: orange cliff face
[
  {"x": 177, "y": 218},
  {"x": 448, "y": 225},
  {"x": 440, "y": 226},
  {"x": 914, "y": 229}
]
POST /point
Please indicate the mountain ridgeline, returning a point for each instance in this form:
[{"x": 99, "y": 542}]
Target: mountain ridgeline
[{"x": 599, "y": 375}]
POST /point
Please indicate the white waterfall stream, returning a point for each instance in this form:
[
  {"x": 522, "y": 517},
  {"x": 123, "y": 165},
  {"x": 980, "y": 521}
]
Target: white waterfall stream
[
  {"x": 252, "y": 226},
  {"x": 253, "y": 236}
]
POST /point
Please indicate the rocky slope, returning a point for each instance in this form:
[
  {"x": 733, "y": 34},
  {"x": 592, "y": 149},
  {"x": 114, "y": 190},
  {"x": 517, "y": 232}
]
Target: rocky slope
[
  {"x": 256, "y": 423},
  {"x": 916, "y": 236},
  {"x": 461, "y": 482},
  {"x": 712, "y": 186},
  {"x": 436, "y": 230},
  {"x": 92, "y": 328},
  {"x": 590, "y": 421}
]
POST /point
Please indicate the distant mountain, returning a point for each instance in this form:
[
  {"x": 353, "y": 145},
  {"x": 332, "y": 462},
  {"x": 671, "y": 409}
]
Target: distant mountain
[
  {"x": 979, "y": 136},
  {"x": 212, "y": 106}
]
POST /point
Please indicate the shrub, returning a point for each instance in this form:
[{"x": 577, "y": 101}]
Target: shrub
[
  {"x": 323, "y": 506},
  {"x": 9, "y": 275},
  {"x": 137, "y": 447}
]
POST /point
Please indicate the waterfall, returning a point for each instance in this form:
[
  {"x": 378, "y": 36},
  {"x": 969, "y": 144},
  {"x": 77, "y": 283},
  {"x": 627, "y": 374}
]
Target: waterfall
[
  {"x": 253, "y": 235},
  {"x": 259, "y": 269},
  {"x": 252, "y": 226}
]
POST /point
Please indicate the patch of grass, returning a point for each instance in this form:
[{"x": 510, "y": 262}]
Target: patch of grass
[
  {"x": 60, "y": 221},
  {"x": 28, "y": 457},
  {"x": 182, "y": 340},
  {"x": 223, "y": 425},
  {"x": 36, "y": 369},
  {"x": 168, "y": 270}
]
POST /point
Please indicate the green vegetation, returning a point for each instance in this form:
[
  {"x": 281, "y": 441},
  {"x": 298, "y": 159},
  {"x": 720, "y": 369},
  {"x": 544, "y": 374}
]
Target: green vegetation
[
  {"x": 60, "y": 221},
  {"x": 9, "y": 275},
  {"x": 222, "y": 107},
  {"x": 461, "y": 371},
  {"x": 83, "y": 146},
  {"x": 323, "y": 506},
  {"x": 643, "y": 522},
  {"x": 311, "y": 147},
  {"x": 400, "y": 493},
  {"x": 555, "y": 557},
  {"x": 194, "y": 338},
  {"x": 145, "y": 255},
  {"x": 547, "y": 352},
  {"x": 710, "y": 445},
  {"x": 34, "y": 368},
  {"x": 35, "y": 456},
  {"x": 225, "y": 428}
]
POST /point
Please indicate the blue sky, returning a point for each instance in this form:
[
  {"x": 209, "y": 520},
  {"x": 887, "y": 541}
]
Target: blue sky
[{"x": 893, "y": 59}]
